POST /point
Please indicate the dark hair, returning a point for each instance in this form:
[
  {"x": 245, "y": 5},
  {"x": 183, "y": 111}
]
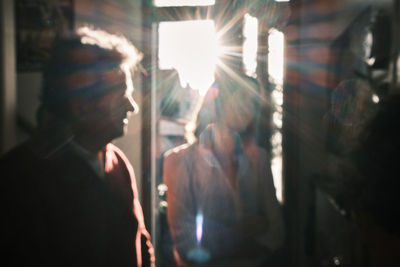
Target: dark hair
[
  {"x": 212, "y": 109},
  {"x": 89, "y": 49},
  {"x": 243, "y": 85}
]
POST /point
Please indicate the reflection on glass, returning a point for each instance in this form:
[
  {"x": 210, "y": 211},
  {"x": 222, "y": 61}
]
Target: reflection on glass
[
  {"x": 275, "y": 71},
  {"x": 165, "y": 3},
  {"x": 250, "y": 33},
  {"x": 191, "y": 48}
]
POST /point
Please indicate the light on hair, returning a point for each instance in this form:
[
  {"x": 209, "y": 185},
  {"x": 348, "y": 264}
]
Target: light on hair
[{"x": 105, "y": 40}]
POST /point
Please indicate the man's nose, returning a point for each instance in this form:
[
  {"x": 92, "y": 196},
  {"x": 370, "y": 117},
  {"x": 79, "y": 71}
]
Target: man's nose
[{"x": 131, "y": 105}]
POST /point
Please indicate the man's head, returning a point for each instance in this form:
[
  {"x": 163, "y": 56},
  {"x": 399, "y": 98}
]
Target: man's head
[{"x": 88, "y": 85}]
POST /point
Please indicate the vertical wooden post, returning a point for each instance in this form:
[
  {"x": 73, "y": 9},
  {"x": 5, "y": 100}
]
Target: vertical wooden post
[{"x": 8, "y": 90}]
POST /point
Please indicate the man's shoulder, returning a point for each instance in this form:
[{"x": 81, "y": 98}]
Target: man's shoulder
[
  {"x": 115, "y": 153},
  {"x": 18, "y": 155},
  {"x": 115, "y": 158},
  {"x": 20, "y": 166}
]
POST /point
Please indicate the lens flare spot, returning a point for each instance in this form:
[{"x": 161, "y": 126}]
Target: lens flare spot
[{"x": 199, "y": 226}]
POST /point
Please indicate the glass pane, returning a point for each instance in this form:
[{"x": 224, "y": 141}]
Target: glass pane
[{"x": 190, "y": 47}]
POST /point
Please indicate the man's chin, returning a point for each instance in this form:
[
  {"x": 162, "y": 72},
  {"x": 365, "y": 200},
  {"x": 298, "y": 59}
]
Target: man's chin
[
  {"x": 116, "y": 132},
  {"x": 120, "y": 132}
]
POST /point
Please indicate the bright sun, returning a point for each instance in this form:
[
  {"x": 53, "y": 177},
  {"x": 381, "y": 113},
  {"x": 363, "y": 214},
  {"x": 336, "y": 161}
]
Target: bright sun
[{"x": 190, "y": 47}]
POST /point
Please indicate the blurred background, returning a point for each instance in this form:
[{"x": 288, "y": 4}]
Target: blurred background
[{"x": 324, "y": 66}]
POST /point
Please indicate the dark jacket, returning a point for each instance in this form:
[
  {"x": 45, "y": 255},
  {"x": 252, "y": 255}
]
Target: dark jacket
[{"x": 59, "y": 212}]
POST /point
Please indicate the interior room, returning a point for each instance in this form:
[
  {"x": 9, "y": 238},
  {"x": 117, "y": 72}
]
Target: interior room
[{"x": 324, "y": 69}]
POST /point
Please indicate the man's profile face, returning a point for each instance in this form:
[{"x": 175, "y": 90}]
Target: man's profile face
[{"x": 104, "y": 115}]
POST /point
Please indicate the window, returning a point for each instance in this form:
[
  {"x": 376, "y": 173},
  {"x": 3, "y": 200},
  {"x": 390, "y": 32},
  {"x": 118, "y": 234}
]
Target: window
[{"x": 170, "y": 3}]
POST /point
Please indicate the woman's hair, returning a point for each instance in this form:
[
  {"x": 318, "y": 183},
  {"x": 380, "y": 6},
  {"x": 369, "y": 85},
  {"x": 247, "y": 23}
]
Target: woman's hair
[
  {"x": 237, "y": 89},
  {"x": 211, "y": 109}
]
